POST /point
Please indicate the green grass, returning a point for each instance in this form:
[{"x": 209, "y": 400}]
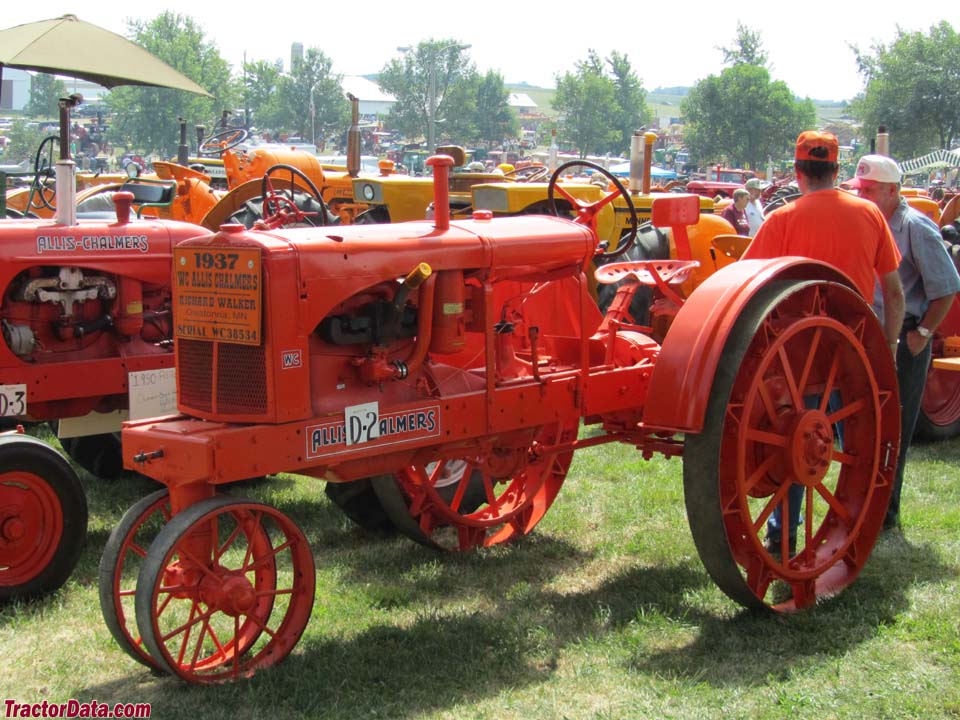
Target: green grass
[{"x": 604, "y": 612}]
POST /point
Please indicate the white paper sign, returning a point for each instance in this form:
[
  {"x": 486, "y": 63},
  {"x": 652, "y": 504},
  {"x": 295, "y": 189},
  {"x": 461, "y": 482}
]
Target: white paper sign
[
  {"x": 362, "y": 423},
  {"x": 13, "y": 400},
  {"x": 152, "y": 393}
]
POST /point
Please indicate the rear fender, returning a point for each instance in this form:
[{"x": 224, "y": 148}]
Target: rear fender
[{"x": 684, "y": 371}]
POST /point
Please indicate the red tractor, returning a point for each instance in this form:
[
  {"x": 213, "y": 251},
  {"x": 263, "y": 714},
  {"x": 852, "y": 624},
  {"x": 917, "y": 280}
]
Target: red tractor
[
  {"x": 85, "y": 312},
  {"x": 452, "y": 363}
]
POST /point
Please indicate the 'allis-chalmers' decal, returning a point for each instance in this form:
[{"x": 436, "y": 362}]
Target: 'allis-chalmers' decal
[
  {"x": 394, "y": 428},
  {"x": 92, "y": 243}
]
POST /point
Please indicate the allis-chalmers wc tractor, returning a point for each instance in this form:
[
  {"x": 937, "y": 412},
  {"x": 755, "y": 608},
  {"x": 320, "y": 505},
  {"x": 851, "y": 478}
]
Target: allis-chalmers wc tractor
[{"x": 452, "y": 363}]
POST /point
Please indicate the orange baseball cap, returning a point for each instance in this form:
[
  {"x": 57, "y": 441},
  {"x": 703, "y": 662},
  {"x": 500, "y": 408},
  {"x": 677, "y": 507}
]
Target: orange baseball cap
[{"x": 813, "y": 145}]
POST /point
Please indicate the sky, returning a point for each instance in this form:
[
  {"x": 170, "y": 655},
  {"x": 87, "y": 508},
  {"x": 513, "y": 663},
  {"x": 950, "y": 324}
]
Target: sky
[{"x": 668, "y": 43}]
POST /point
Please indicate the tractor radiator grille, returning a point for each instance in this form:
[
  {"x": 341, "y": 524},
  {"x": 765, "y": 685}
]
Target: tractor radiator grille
[
  {"x": 195, "y": 374},
  {"x": 241, "y": 380},
  {"x": 241, "y": 384}
]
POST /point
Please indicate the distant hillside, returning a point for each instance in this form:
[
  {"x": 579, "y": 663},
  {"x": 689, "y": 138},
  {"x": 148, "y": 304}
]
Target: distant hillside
[{"x": 665, "y": 102}]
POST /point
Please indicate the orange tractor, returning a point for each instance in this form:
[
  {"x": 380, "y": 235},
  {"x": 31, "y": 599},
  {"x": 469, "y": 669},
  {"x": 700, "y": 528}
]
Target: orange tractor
[{"x": 452, "y": 362}]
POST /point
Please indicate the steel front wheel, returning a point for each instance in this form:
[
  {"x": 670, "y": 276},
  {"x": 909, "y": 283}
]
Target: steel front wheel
[
  {"x": 805, "y": 393},
  {"x": 43, "y": 518},
  {"x": 121, "y": 562},
  {"x": 226, "y": 589},
  {"x": 482, "y": 498}
]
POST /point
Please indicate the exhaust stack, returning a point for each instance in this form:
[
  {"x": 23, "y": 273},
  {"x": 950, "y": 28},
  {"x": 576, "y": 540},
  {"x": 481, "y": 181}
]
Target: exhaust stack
[{"x": 66, "y": 169}]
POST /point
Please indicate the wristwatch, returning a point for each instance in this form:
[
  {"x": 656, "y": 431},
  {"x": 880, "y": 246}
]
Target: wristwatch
[{"x": 924, "y": 332}]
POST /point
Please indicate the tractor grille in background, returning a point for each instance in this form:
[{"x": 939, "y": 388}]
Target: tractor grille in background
[{"x": 241, "y": 377}]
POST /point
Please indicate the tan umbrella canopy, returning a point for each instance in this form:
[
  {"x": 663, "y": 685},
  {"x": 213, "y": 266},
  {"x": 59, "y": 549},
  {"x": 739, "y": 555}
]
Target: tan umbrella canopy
[{"x": 68, "y": 46}]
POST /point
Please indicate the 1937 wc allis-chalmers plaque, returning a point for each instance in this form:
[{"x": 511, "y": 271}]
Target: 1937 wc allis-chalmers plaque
[{"x": 217, "y": 294}]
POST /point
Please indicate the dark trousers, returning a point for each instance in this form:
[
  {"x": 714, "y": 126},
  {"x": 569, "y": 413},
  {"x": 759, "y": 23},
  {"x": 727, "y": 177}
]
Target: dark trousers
[{"x": 911, "y": 378}]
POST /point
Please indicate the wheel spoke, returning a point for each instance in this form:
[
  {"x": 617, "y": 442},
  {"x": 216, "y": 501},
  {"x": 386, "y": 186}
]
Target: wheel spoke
[
  {"x": 604, "y": 201},
  {"x": 831, "y": 379},
  {"x": 768, "y": 404},
  {"x": 848, "y": 410},
  {"x": 218, "y": 553},
  {"x": 187, "y": 625},
  {"x": 189, "y": 628},
  {"x": 832, "y": 501},
  {"x": 791, "y": 380},
  {"x": 263, "y": 559},
  {"x": 759, "y": 473},
  {"x": 260, "y": 624},
  {"x": 574, "y": 202},
  {"x": 767, "y": 438},
  {"x": 846, "y": 458},
  {"x": 488, "y": 489},
  {"x": 778, "y": 498},
  {"x": 811, "y": 355},
  {"x": 759, "y": 577},
  {"x": 804, "y": 593},
  {"x": 470, "y": 537}
]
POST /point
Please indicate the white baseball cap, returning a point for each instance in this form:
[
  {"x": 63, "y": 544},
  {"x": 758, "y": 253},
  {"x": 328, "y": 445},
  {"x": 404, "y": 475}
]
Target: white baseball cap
[{"x": 878, "y": 168}]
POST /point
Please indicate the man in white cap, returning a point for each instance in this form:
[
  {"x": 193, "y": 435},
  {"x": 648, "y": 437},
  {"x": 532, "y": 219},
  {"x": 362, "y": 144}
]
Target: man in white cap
[
  {"x": 930, "y": 282},
  {"x": 754, "y": 208}
]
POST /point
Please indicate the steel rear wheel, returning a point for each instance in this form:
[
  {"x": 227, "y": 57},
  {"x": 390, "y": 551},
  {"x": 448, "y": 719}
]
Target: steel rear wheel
[
  {"x": 121, "y": 562},
  {"x": 805, "y": 393},
  {"x": 43, "y": 518},
  {"x": 438, "y": 503},
  {"x": 226, "y": 589}
]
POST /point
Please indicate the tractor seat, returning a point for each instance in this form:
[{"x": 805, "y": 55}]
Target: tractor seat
[
  {"x": 647, "y": 272},
  {"x": 733, "y": 246}
]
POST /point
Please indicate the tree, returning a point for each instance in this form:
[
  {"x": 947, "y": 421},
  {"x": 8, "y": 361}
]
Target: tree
[
  {"x": 45, "y": 91},
  {"x": 23, "y": 143},
  {"x": 913, "y": 88},
  {"x": 261, "y": 80},
  {"x": 631, "y": 111},
  {"x": 148, "y": 116},
  {"x": 743, "y": 116},
  {"x": 583, "y": 100},
  {"x": 311, "y": 100},
  {"x": 430, "y": 72},
  {"x": 747, "y": 49},
  {"x": 495, "y": 119}
]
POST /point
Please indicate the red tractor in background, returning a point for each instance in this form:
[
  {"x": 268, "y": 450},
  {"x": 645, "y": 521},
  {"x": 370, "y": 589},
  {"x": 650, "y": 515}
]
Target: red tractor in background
[
  {"x": 85, "y": 312},
  {"x": 441, "y": 357}
]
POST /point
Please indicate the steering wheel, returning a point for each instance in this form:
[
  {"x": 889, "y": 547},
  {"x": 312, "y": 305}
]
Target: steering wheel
[
  {"x": 220, "y": 142},
  {"x": 587, "y": 212},
  {"x": 530, "y": 173},
  {"x": 44, "y": 174},
  {"x": 279, "y": 205}
]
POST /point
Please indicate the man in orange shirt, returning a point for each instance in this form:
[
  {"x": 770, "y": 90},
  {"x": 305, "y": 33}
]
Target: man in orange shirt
[{"x": 831, "y": 225}]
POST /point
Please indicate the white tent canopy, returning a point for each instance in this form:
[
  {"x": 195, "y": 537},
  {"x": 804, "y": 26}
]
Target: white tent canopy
[{"x": 936, "y": 159}]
